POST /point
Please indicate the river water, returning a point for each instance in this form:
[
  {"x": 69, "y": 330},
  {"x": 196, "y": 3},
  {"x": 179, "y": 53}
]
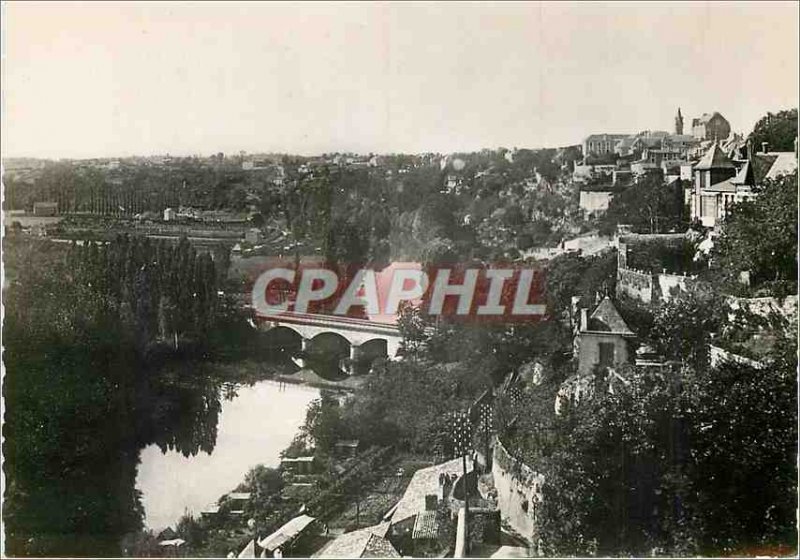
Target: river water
[{"x": 254, "y": 427}]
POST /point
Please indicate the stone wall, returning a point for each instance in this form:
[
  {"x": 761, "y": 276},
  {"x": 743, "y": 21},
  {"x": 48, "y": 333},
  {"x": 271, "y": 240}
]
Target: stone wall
[
  {"x": 635, "y": 284},
  {"x": 719, "y": 355},
  {"x": 519, "y": 491},
  {"x": 763, "y": 306},
  {"x": 668, "y": 282}
]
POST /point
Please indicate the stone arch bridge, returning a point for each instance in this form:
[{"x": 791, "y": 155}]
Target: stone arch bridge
[{"x": 367, "y": 340}]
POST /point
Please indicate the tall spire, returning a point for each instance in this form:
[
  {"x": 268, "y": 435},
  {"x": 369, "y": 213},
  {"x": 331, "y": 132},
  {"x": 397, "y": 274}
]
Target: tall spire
[{"x": 679, "y": 122}]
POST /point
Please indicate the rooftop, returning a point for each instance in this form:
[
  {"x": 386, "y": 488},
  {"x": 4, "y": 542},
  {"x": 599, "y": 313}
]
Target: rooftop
[
  {"x": 606, "y": 318},
  {"x": 706, "y": 117},
  {"x": 785, "y": 163},
  {"x": 369, "y": 542},
  {"x": 715, "y": 158},
  {"x": 424, "y": 482},
  {"x": 286, "y": 533}
]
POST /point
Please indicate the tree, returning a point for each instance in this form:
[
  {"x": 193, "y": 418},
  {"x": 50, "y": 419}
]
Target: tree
[
  {"x": 743, "y": 471},
  {"x": 324, "y": 425},
  {"x": 257, "y": 220},
  {"x": 688, "y": 462},
  {"x": 682, "y": 327},
  {"x": 265, "y": 485},
  {"x": 571, "y": 275},
  {"x": 649, "y": 206},
  {"x": 610, "y": 477},
  {"x": 760, "y": 235},
  {"x": 779, "y": 130},
  {"x": 412, "y": 326}
]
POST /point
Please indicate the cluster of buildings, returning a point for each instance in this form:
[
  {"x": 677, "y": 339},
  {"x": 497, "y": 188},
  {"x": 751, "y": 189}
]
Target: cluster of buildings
[
  {"x": 709, "y": 127},
  {"x": 717, "y": 167},
  {"x": 411, "y": 526}
]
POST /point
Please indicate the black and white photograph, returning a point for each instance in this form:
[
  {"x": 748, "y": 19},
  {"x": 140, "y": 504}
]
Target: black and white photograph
[{"x": 400, "y": 279}]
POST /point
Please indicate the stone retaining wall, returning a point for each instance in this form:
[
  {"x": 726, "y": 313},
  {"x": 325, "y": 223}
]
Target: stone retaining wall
[{"x": 519, "y": 492}]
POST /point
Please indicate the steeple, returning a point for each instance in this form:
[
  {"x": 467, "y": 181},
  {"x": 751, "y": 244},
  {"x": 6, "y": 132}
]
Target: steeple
[{"x": 679, "y": 122}]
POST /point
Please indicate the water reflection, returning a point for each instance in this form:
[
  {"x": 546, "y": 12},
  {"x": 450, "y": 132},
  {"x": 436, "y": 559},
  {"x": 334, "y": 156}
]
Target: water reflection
[
  {"x": 252, "y": 428},
  {"x": 185, "y": 416}
]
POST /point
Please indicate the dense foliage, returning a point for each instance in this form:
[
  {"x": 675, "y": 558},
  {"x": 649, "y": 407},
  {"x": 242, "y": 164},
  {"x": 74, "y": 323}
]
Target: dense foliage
[
  {"x": 648, "y": 206},
  {"x": 86, "y": 329},
  {"x": 778, "y": 130},
  {"x": 685, "y": 459},
  {"x": 760, "y": 236}
]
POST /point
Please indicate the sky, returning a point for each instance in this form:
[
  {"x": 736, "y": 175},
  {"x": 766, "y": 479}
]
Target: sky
[{"x": 110, "y": 80}]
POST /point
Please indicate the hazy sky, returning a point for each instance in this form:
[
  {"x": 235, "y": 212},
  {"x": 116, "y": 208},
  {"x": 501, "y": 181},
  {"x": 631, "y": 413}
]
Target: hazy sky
[{"x": 89, "y": 79}]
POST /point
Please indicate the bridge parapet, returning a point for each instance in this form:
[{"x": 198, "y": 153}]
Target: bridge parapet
[{"x": 355, "y": 331}]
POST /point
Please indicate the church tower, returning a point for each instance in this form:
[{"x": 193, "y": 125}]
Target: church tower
[{"x": 679, "y": 122}]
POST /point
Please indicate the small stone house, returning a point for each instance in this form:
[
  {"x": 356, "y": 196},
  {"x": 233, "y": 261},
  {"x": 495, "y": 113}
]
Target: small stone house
[{"x": 602, "y": 338}]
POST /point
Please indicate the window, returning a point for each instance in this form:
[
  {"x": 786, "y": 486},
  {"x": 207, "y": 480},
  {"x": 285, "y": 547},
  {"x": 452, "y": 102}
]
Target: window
[{"x": 606, "y": 354}]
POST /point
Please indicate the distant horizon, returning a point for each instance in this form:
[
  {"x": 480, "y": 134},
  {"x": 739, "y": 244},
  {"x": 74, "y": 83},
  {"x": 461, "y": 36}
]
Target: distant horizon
[
  {"x": 119, "y": 80},
  {"x": 272, "y": 153}
]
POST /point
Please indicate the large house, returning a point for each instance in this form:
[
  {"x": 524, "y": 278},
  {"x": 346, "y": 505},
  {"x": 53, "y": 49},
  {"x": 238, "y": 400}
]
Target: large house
[
  {"x": 601, "y": 144},
  {"x": 711, "y": 126},
  {"x": 713, "y": 190},
  {"x": 720, "y": 181}
]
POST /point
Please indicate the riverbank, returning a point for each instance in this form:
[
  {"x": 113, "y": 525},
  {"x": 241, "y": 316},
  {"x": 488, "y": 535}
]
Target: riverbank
[
  {"x": 255, "y": 424},
  {"x": 262, "y": 408}
]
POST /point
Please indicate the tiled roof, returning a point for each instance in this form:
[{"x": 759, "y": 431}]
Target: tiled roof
[
  {"x": 248, "y": 551},
  {"x": 379, "y": 547},
  {"x": 688, "y": 138},
  {"x": 606, "y": 318},
  {"x": 704, "y": 118},
  {"x": 744, "y": 176},
  {"x": 425, "y": 481},
  {"x": 761, "y": 164},
  {"x": 369, "y": 542},
  {"x": 757, "y": 168},
  {"x": 785, "y": 163},
  {"x": 726, "y": 186},
  {"x": 286, "y": 533},
  {"x": 715, "y": 158},
  {"x": 605, "y": 137}
]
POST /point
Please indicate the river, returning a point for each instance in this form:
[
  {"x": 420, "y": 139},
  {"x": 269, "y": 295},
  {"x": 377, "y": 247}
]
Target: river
[{"x": 254, "y": 427}]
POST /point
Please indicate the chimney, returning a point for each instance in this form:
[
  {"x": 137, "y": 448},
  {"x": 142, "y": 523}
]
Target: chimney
[
  {"x": 749, "y": 150},
  {"x": 764, "y": 147},
  {"x": 584, "y": 319},
  {"x": 574, "y": 310}
]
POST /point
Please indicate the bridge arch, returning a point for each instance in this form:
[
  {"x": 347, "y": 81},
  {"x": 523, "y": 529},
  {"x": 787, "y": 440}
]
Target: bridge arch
[
  {"x": 364, "y": 354},
  {"x": 285, "y": 336},
  {"x": 329, "y": 342}
]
